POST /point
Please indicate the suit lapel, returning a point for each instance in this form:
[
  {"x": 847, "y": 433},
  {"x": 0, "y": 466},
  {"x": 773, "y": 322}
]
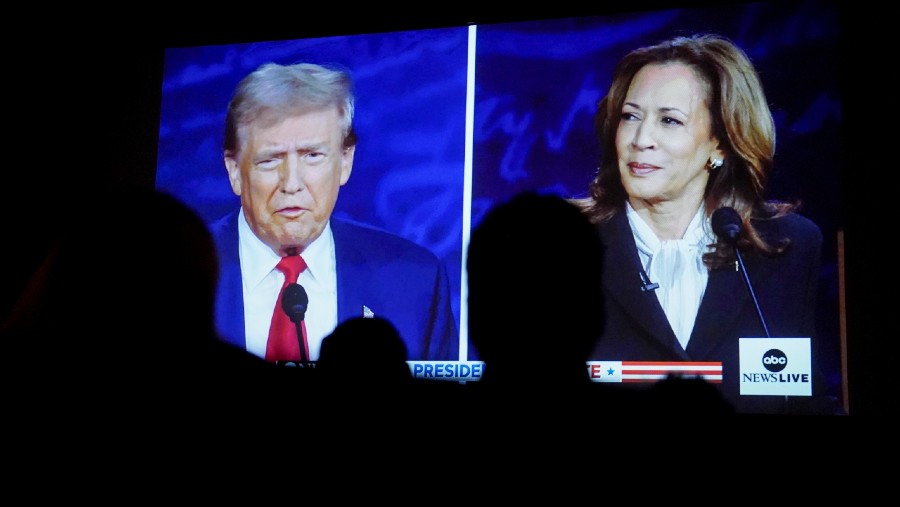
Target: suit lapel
[
  {"x": 230, "y": 291},
  {"x": 353, "y": 278},
  {"x": 726, "y": 299},
  {"x": 622, "y": 281},
  {"x": 718, "y": 311}
]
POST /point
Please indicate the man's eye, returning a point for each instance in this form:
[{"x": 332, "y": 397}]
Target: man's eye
[{"x": 270, "y": 163}]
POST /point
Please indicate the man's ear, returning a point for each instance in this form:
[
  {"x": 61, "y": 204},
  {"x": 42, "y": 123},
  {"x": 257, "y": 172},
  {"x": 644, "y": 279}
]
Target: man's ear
[
  {"x": 234, "y": 173},
  {"x": 347, "y": 163}
]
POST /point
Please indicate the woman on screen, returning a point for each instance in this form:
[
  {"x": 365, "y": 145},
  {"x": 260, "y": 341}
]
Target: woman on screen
[{"x": 685, "y": 130}]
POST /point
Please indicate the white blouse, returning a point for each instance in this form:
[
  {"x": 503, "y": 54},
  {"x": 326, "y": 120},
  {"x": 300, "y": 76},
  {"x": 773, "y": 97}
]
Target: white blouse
[{"x": 677, "y": 266}]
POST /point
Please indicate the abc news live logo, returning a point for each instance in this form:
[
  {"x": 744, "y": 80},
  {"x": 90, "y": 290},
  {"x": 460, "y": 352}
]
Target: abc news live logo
[{"x": 775, "y": 366}]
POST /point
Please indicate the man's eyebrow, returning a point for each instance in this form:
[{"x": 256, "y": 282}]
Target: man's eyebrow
[{"x": 272, "y": 151}]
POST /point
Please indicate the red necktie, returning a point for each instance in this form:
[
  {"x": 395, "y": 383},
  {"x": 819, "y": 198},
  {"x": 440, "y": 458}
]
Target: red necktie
[{"x": 283, "y": 344}]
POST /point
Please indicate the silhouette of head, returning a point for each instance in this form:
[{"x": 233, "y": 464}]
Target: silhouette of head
[
  {"x": 132, "y": 274},
  {"x": 356, "y": 346},
  {"x": 534, "y": 295}
]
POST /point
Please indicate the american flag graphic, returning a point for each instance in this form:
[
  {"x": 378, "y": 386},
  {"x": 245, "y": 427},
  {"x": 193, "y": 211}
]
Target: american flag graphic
[{"x": 652, "y": 371}]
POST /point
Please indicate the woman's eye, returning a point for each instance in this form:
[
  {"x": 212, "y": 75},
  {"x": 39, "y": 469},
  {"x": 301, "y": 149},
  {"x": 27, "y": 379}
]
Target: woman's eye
[{"x": 668, "y": 120}]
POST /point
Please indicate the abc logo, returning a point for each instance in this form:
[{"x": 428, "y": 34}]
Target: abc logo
[{"x": 774, "y": 360}]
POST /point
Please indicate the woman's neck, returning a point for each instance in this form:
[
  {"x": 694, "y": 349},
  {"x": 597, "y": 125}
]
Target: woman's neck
[{"x": 669, "y": 219}]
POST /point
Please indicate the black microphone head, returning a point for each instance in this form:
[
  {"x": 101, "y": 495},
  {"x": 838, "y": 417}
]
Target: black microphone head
[
  {"x": 727, "y": 224},
  {"x": 294, "y": 302}
]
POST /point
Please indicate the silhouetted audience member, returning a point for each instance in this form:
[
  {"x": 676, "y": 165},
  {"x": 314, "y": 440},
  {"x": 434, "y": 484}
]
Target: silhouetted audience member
[
  {"x": 534, "y": 294},
  {"x": 687, "y": 396},
  {"x": 535, "y": 304},
  {"x": 120, "y": 313},
  {"x": 362, "y": 378},
  {"x": 360, "y": 346},
  {"x": 534, "y": 298}
]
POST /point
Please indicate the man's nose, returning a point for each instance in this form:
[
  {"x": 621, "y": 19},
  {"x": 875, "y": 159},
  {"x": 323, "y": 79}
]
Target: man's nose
[{"x": 292, "y": 175}]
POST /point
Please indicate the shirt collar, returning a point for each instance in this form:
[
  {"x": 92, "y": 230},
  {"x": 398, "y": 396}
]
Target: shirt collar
[
  {"x": 258, "y": 260},
  {"x": 697, "y": 234}
]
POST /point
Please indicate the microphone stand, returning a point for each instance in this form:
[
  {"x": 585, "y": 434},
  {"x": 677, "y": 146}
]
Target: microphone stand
[
  {"x": 740, "y": 260},
  {"x": 304, "y": 358},
  {"x": 759, "y": 314}
]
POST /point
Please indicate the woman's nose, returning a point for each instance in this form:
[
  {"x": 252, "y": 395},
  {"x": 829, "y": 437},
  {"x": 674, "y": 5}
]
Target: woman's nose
[{"x": 643, "y": 137}]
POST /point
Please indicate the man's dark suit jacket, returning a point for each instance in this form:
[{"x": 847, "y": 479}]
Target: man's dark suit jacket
[
  {"x": 395, "y": 278},
  {"x": 785, "y": 287}
]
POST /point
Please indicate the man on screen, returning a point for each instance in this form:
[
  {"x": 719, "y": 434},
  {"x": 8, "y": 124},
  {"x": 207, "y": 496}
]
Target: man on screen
[{"x": 289, "y": 147}]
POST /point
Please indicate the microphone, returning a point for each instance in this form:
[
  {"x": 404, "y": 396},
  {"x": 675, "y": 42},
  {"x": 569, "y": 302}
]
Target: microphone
[
  {"x": 294, "y": 302},
  {"x": 646, "y": 284},
  {"x": 727, "y": 224}
]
